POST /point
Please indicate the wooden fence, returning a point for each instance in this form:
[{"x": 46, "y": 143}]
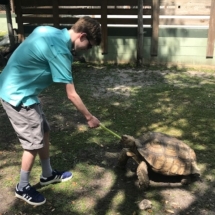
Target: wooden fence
[{"x": 156, "y": 14}]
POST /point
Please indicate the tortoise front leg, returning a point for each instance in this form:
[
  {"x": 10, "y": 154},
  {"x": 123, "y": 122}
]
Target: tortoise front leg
[
  {"x": 186, "y": 180},
  {"x": 142, "y": 174},
  {"x": 123, "y": 157}
]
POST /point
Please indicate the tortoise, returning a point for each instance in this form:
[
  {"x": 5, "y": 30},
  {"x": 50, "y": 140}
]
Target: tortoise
[{"x": 161, "y": 153}]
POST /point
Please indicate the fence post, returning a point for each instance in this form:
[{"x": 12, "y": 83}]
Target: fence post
[
  {"x": 140, "y": 34},
  {"x": 155, "y": 27},
  {"x": 211, "y": 32},
  {"x": 104, "y": 44},
  {"x": 55, "y": 13},
  {"x": 18, "y": 12},
  {"x": 9, "y": 25}
]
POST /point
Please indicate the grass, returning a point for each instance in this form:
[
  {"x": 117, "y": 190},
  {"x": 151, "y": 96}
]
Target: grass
[{"x": 127, "y": 100}]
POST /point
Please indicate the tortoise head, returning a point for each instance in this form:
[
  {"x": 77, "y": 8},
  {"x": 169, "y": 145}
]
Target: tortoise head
[{"x": 127, "y": 141}]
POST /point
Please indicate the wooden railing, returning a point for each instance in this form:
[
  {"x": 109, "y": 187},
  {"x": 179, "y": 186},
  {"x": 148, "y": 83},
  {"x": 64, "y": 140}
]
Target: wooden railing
[{"x": 156, "y": 13}]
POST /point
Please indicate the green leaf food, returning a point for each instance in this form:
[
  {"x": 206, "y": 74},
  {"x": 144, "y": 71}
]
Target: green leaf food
[{"x": 116, "y": 135}]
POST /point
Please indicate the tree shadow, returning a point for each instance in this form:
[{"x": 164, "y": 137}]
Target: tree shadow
[
  {"x": 162, "y": 108},
  {"x": 157, "y": 105}
]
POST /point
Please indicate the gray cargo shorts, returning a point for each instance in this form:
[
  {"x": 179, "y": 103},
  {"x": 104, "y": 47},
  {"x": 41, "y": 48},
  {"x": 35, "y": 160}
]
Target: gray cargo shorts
[{"x": 29, "y": 124}]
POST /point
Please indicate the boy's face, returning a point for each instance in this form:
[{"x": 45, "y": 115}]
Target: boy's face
[{"x": 82, "y": 43}]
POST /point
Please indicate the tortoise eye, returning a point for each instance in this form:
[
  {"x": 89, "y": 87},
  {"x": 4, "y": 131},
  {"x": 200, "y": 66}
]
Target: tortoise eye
[{"x": 124, "y": 137}]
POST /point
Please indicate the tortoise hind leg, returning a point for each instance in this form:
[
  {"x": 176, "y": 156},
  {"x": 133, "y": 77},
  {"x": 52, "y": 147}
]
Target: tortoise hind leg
[
  {"x": 142, "y": 174},
  {"x": 190, "y": 179},
  {"x": 186, "y": 180}
]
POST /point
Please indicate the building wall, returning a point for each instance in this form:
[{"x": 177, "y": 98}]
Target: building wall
[{"x": 175, "y": 46}]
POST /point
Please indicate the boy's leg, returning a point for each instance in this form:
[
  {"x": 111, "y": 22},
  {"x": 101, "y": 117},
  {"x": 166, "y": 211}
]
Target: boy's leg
[
  {"x": 50, "y": 176},
  {"x": 28, "y": 158},
  {"x": 32, "y": 129},
  {"x": 28, "y": 124},
  {"x": 44, "y": 157},
  {"x": 44, "y": 152}
]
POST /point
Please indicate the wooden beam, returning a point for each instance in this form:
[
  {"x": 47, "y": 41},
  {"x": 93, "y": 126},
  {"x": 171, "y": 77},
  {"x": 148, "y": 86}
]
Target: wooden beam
[
  {"x": 40, "y": 20},
  {"x": 80, "y": 2},
  {"x": 185, "y": 12},
  {"x": 179, "y": 2},
  {"x": 104, "y": 44},
  {"x": 29, "y": 3},
  {"x": 155, "y": 27},
  {"x": 126, "y": 12},
  {"x": 127, "y": 2},
  {"x": 211, "y": 32},
  {"x": 48, "y": 18},
  {"x": 78, "y": 11},
  {"x": 62, "y": 11},
  {"x": 140, "y": 34}
]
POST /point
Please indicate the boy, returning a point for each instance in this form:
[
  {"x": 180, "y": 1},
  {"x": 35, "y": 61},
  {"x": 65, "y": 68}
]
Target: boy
[{"x": 43, "y": 58}]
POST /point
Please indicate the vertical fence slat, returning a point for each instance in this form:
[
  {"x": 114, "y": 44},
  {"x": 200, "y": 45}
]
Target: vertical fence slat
[
  {"x": 140, "y": 34},
  {"x": 211, "y": 32},
  {"x": 104, "y": 44},
  {"x": 155, "y": 27},
  {"x": 9, "y": 25},
  {"x": 56, "y": 13},
  {"x": 19, "y": 21}
]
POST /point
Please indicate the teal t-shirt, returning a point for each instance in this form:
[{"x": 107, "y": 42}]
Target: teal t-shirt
[{"x": 43, "y": 58}]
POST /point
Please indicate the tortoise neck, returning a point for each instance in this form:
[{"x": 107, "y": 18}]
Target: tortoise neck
[{"x": 138, "y": 144}]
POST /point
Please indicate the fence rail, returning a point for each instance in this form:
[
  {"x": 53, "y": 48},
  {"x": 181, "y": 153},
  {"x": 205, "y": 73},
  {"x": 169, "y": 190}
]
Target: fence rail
[{"x": 156, "y": 13}]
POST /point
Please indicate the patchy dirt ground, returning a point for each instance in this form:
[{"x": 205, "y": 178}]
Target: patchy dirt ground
[
  {"x": 175, "y": 197},
  {"x": 195, "y": 199}
]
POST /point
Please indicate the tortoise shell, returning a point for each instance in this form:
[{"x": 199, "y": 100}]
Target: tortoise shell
[{"x": 167, "y": 155}]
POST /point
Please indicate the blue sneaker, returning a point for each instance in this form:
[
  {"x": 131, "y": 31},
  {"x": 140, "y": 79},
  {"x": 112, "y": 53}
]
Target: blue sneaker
[
  {"x": 30, "y": 195},
  {"x": 56, "y": 177}
]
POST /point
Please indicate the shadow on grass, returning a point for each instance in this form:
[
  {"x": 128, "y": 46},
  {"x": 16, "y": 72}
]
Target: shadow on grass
[{"x": 182, "y": 107}]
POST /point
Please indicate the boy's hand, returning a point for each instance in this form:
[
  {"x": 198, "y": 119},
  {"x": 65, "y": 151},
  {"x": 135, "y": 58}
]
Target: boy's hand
[{"x": 93, "y": 122}]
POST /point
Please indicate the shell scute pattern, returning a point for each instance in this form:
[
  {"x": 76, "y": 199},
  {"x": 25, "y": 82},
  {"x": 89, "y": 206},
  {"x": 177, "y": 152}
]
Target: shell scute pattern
[{"x": 161, "y": 153}]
